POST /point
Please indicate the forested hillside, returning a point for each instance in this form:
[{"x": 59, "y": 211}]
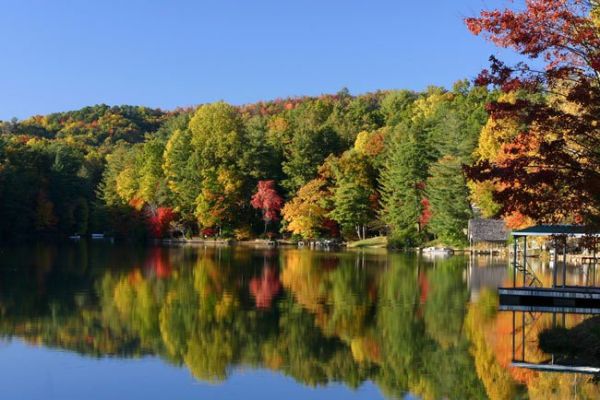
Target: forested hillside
[{"x": 389, "y": 162}]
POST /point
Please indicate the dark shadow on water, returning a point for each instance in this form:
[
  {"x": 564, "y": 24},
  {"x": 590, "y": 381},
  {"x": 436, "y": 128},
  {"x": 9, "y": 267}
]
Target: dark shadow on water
[{"x": 579, "y": 345}]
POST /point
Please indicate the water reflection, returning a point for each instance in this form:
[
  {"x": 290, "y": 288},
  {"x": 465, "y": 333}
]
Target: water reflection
[
  {"x": 522, "y": 364},
  {"x": 426, "y": 327}
]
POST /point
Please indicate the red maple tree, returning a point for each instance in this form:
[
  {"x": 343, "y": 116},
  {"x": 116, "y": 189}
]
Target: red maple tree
[
  {"x": 268, "y": 200},
  {"x": 159, "y": 220},
  {"x": 550, "y": 170}
]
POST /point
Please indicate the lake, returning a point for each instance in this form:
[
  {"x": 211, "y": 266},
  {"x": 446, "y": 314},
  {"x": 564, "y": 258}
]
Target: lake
[{"x": 101, "y": 321}]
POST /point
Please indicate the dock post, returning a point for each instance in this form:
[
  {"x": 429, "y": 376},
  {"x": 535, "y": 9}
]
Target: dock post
[
  {"x": 523, "y": 337},
  {"x": 564, "y": 282},
  {"x": 515, "y": 261},
  {"x": 555, "y": 269},
  {"x": 514, "y": 333},
  {"x": 524, "y": 259},
  {"x": 593, "y": 265}
]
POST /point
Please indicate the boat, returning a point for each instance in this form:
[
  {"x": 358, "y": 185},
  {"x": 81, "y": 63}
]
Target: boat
[{"x": 441, "y": 251}]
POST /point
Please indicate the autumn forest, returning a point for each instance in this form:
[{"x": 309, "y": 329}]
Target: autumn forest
[
  {"x": 309, "y": 166},
  {"x": 517, "y": 143}
]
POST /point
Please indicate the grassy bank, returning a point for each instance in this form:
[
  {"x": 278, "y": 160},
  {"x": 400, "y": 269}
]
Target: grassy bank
[{"x": 374, "y": 242}]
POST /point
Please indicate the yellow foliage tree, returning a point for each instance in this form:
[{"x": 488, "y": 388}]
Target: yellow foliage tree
[
  {"x": 493, "y": 135},
  {"x": 306, "y": 212},
  {"x": 496, "y": 132}
]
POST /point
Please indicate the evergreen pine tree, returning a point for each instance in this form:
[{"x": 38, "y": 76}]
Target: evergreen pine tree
[
  {"x": 456, "y": 138},
  {"x": 403, "y": 186},
  {"x": 449, "y": 198}
]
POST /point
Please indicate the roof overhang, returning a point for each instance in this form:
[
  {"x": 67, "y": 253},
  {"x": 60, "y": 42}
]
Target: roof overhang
[{"x": 552, "y": 230}]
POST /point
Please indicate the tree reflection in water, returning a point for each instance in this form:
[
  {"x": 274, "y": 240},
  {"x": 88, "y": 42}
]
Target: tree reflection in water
[{"x": 398, "y": 320}]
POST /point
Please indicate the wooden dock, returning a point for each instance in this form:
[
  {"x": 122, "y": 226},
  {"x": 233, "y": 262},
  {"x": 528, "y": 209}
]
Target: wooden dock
[{"x": 572, "y": 299}]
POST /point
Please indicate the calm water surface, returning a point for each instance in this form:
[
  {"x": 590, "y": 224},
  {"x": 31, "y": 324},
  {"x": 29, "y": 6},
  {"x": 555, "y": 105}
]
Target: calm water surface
[{"x": 100, "y": 321}]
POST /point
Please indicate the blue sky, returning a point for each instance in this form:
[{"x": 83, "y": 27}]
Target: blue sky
[{"x": 58, "y": 55}]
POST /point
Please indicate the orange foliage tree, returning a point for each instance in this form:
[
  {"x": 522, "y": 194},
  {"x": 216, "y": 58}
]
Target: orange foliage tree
[{"x": 549, "y": 170}]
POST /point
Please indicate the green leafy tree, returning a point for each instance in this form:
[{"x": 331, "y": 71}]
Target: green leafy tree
[
  {"x": 352, "y": 180},
  {"x": 116, "y": 162},
  {"x": 219, "y": 202},
  {"x": 352, "y": 206},
  {"x": 217, "y": 135},
  {"x": 183, "y": 179},
  {"x": 153, "y": 188}
]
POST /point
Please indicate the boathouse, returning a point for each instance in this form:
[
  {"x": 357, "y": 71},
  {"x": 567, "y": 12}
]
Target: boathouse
[
  {"x": 527, "y": 292},
  {"x": 487, "y": 235}
]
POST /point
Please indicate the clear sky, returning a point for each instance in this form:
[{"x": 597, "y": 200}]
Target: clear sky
[{"x": 58, "y": 55}]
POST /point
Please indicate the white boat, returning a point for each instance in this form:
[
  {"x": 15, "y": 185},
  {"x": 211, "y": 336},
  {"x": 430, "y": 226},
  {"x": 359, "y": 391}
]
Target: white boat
[
  {"x": 97, "y": 236},
  {"x": 75, "y": 237},
  {"x": 442, "y": 251}
]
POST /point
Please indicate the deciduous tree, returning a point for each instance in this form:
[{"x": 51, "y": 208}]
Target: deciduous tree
[
  {"x": 268, "y": 201},
  {"x": 307, "y": 211},
  {"x": 550, "y": 170}
]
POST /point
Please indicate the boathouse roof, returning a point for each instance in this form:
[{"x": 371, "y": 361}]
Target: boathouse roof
[
  {"x": 549, "y": 230},
  {"x": 487, "y": 230}
]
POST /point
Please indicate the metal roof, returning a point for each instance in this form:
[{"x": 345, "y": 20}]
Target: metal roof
[
  {"x": 487, "y": 230},
  {"x": 549, "y": 230}
]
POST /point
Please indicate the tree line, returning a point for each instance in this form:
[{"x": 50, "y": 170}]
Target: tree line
[{"x": 338, "y": 165}]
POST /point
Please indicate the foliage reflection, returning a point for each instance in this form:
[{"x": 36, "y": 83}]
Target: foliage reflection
[{"x": 397, "y": 320}]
